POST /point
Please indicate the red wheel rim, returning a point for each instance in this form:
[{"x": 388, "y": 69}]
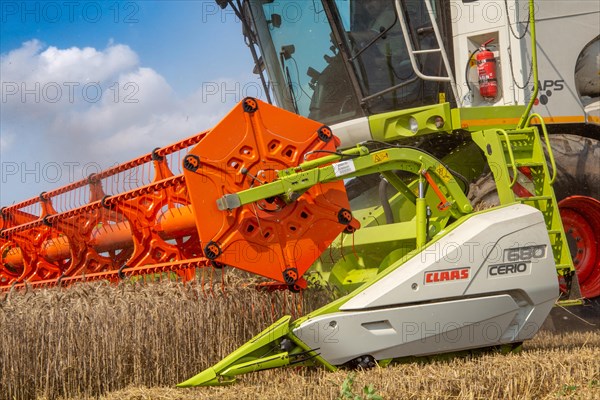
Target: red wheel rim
[{"x": 581, "y": 219}]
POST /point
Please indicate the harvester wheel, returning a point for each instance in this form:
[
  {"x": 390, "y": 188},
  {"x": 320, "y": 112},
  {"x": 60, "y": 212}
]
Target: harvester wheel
[
  {"x": 363, "y": 362},
  {"x": 578, "y": 176},
  {"x": 581, "y": 220}
]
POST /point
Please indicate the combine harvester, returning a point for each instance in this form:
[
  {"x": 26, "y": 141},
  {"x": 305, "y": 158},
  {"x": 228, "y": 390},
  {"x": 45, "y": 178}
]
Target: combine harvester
[{"x": 380, "y": 201}]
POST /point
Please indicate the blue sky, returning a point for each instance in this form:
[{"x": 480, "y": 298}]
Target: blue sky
[{"x": 68, "y": 70}]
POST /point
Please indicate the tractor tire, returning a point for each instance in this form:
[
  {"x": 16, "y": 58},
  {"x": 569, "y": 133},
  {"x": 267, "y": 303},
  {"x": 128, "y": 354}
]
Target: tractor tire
[
  {"x": 577, "y": 190},
  {"x": 578, "y": 166}
]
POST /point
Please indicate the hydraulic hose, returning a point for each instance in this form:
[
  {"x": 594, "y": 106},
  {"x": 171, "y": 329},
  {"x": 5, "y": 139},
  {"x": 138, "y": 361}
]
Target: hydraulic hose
[{"x": 385, "y": 203}]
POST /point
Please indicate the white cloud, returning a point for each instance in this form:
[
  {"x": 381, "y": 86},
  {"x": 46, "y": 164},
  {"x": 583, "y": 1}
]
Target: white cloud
[
  {"x": 6, "y": 140},
  {"x": 86, "y": 104},
  {"x": 32, "y": 64}
]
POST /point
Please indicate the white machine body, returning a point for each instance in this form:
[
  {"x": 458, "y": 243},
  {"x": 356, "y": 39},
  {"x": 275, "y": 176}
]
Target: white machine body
[
  {"x": 568, "y": 60},
  {"x": 490, "y": 281}
]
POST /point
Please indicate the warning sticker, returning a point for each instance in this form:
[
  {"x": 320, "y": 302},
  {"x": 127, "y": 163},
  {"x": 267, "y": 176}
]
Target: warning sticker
[
  {"x": 343, "y": 168},
  {"x": 380, "y": 157},
  {"x": 443, "y": 173}
]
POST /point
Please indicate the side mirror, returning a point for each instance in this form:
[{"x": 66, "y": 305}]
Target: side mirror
[
  {"x": 275, "y": 20},
  {"x": 287, "y": 51}
]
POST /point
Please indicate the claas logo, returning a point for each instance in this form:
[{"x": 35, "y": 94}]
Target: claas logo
[{"x": 448, "y": 275}]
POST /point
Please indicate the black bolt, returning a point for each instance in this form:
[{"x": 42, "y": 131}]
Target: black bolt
[
  {"x": 324, "y": 133},
  {"x": 212, "y": 250},
  {"x": 344, "y": 216},
  {"x": 249, "y": 105},
  {"x": 191, "y": 162}
]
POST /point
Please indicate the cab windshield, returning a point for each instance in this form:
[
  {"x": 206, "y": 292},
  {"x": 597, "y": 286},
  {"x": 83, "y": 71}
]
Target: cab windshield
[
  {"x": 306, "y": 70},
  {"x": 338, "y": 60}
]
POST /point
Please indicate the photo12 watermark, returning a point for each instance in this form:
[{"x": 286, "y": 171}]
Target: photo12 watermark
[
  {"x": 487, "y": 11},
  {"x": 234, "y": 92},
  {"x": 48, "y": 172},
  {"x": 55, "y": 92},
  {"x": 70, "y": 12},
  {"x": 277, "y": 12}
]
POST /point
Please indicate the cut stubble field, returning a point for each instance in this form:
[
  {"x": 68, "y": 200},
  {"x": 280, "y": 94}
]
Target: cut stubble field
[{"x": 136, "y": 341}]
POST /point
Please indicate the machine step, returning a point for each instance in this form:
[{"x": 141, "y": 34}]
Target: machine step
[
  {"x": 510, "y": 150},
  {"x": 534, "y": 198},
  {"x": 526, "y": 164}
]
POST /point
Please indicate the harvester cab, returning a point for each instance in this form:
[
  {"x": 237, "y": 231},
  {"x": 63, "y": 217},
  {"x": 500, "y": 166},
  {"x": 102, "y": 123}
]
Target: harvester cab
[{"x": 339, "y": 61}]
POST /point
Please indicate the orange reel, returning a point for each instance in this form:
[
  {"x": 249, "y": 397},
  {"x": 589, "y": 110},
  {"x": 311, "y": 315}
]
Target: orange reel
[{"x": 270, "y": 237}]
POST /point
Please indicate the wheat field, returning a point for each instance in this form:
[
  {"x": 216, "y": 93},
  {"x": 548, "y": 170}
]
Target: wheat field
[{"x": 134, "y": 341}]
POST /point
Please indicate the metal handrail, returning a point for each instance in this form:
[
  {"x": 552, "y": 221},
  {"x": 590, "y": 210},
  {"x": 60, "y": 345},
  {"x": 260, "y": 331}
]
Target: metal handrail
[
  {"x": 441, "y": 49},
  {"x": 524, "y": 119}
]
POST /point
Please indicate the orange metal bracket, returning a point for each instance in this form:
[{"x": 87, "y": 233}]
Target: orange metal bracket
[{"x": 270, "y": 237}]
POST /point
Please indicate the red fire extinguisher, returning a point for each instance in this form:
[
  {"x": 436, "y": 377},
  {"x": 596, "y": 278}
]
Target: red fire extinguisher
[{"x": 486, "y": 69}]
